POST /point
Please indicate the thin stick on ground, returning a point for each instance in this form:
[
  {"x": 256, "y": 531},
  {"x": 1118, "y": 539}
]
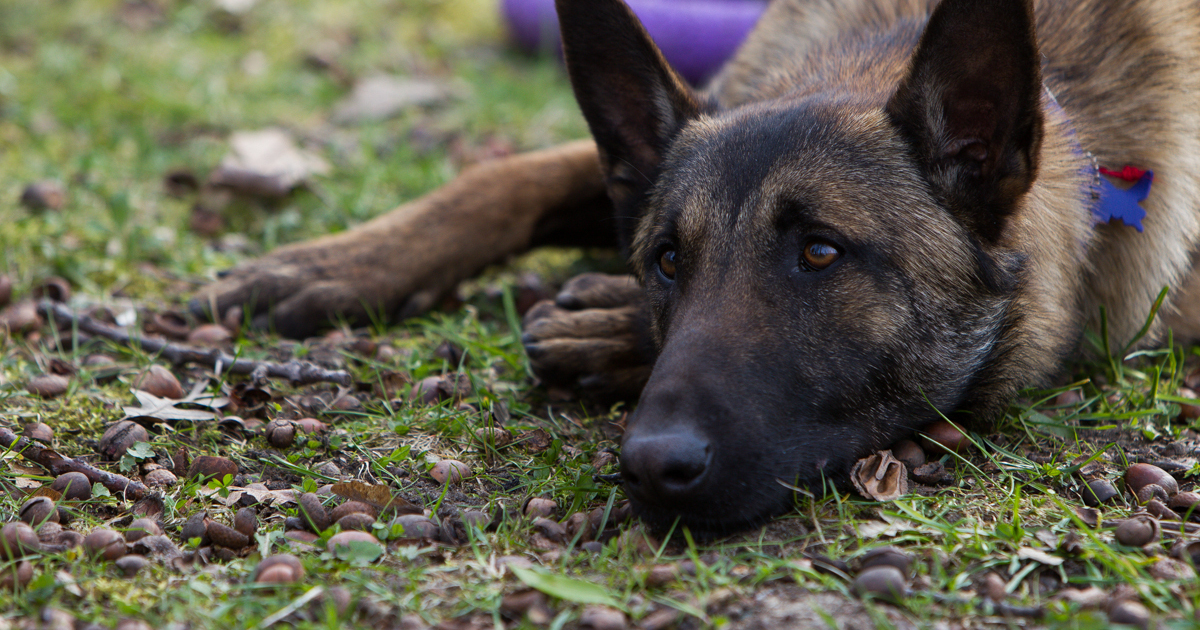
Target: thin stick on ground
[
  {"x": 297, "y": 372},
  {"x": 57, "y": 464}
]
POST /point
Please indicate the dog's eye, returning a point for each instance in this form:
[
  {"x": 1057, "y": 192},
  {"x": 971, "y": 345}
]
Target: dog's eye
[
  {"x": 666, "y": 263},
  {"x": 818, "y": 255}
]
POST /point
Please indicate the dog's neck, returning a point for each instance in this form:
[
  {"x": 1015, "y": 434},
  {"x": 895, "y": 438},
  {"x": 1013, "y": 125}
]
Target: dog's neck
[{"x": 1109, "y": 203}]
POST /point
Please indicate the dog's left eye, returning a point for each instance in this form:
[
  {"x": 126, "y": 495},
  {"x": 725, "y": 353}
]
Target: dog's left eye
[
  {"x": 666, "y": 263},
  {"x": 818, "y": 255}
]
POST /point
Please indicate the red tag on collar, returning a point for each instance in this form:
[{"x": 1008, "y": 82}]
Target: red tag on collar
[{"x": 1129, "y": 173}]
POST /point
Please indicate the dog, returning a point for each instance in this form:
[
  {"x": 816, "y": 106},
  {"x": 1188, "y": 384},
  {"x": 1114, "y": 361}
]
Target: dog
[{"x": 879, "y": 212}]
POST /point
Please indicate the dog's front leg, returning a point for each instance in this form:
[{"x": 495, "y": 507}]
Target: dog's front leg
[
  {"x": 593, "y": 336},
  {"x": 399, "y": 264}
]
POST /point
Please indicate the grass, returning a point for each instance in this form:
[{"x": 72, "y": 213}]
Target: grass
[{"x": 107, "y": 97}]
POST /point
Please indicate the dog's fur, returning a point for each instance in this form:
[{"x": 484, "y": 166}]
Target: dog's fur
[{"x": 879, "y": 210}]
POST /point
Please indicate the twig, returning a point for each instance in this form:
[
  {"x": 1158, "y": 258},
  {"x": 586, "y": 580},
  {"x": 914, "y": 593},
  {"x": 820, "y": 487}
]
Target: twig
[
  {"x": 57, "y": 465},
  {"x": 298, "y": 372}
]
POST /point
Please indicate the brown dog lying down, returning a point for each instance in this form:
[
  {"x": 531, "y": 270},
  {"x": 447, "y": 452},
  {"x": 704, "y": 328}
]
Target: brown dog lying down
[{"x": 878, "y": 211}]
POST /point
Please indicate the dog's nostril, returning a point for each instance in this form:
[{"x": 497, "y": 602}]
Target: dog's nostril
[
  {"x": 667, "y": 466},
  {"x": 685, "y": 468}
]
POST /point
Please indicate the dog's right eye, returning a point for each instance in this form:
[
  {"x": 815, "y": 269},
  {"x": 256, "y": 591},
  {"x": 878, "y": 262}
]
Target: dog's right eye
[
  {"x": 666, "y": 263},
  {"x": 819, "y": 254}
]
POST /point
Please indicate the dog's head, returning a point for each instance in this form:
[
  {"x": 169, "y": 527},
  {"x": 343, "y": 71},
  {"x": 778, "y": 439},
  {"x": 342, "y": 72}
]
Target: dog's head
[{"x": 826, "y": 269}]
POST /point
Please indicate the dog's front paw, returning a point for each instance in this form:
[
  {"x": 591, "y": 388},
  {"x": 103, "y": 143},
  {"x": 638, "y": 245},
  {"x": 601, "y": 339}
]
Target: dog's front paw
[
  {"x": 300, "y": 289},
  {"x": 593, "y": 336}
]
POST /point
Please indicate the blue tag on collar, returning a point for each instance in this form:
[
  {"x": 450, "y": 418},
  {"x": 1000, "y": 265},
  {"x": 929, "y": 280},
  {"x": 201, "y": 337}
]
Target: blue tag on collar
[{"x": 1122, "y": 204}]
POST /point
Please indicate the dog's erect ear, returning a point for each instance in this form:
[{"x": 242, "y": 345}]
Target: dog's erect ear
[
  {"x": 970, "y": 107},
  {"x": 634, "y": 102}
]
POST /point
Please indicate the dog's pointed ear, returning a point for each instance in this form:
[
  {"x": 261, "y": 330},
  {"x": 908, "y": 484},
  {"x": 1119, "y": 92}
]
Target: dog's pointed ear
[
  {"x": 970, "y": 107},
  {"x": 634, "y": 102}
]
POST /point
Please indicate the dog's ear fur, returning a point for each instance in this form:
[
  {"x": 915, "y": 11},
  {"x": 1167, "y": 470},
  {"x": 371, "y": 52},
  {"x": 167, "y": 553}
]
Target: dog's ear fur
[
  {"x": 970, "y": 107},
  {"x": 634, "y": 102}
]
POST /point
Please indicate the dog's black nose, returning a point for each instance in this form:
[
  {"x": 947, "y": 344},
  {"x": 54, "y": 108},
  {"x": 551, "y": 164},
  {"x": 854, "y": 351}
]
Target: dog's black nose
[{"x": 665, "y": 468}]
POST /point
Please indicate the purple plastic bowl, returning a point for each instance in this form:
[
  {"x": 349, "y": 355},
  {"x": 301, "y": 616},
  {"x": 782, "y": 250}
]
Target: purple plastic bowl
[{"x": 697, "y": 36}]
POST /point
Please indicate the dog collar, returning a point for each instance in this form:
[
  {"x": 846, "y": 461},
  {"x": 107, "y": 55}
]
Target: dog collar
[{"x": 1109, "y": 202}]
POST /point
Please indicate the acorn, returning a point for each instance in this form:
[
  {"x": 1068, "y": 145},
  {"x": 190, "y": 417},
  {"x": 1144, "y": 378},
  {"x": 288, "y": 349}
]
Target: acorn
[
  {"x": 21, "y": 317},
  {"x": 579, "y": 525},
  {"x": 6, "y": 290},
  {"x": 1185, "y": 502},
  {"x": 909, "y": 452},
  {"x": 883, "y": 582},
  {"x": 38, "y": 510},
  {"x": 1138, "y": 531},
  {"x": 356, "y": 520},
  {"x": 141, "y": 528},
  {"x": 1098, "y": 491},
  {"x": 315, "y": 517},
  {"x": 195, "y": 527},
  {"x": 449, "y": 472},
  {"x": 104, "y": 544},
  {"x": 281, "y": 433},
  {"x": 131, "y": 564},
  {"x": 210, "y": 466},
  {"x": 54, "y": 288},
  {"x": 39, "y": 431},
  {"x": 414, "y": 527},
  {"x": 552, "y": 530},
  {"x": 209, "y": 335},
  {"x": 245, "y": 521},
  {"x": 1139, "y": 476},
  {"x": 73, "y": 486},
  {"x": 886, "y": 556},
  {"x": 352, "y": 507},
  {"x": 310, "y": 426},
  {"x": 44, "y": 195},
  {"x": 538, "y": 507},
  {"x": 943, "y": 437},
  {"x": 159, "y": 381},
  {"x": 48, "y": 385},
  {"x": 160, "y": 478},
  {"x": 120, "y": 437},
  {"x": 344, "y": 539},
  {"x": 18, "y": 540},
  {"x": 1152, "y": 492},
  {"x": 16, "y": 576},
  {"x": 1129, "y": 613},
  {"x": 226, "y": 536},
  {"x": 495, "y": 437},
  {"x": 475, "y": 518},
  {"x": 283, "y": 568}
]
